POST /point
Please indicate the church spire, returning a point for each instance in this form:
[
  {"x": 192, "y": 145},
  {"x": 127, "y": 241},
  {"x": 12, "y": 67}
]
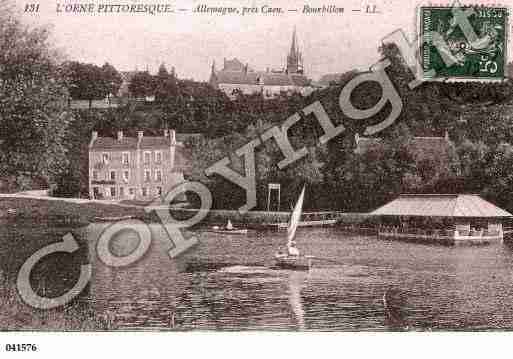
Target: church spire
[
  {"x": 293, "y": 46},
  {"x": 294, "y": 58}
]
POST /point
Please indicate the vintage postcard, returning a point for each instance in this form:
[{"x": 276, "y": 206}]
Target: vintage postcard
[{"x": 255, "y": 166}]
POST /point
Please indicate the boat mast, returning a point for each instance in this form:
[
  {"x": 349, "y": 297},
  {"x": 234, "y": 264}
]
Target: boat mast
[{"x": 295, "y": 217}]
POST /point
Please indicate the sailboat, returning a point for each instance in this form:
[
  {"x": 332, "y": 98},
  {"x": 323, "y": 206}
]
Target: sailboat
[
  {"x": 292, "y": 259},
  {"x": 229, "y": 229}
]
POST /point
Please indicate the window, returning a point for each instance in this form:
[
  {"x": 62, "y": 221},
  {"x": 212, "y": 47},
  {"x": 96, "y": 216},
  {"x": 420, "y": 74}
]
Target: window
[
  {"x": 126, "y": 176},
  {"x": 159, "y": 191},
  {"x": 95, "y": 175},
  {"x": 113, "y": 191},
  {"x": 105, "y": 158},
  {"x": 158, "y": 157},
  {"x": 146, "y": 175},
  {"x": 158, "y": 175},
  {"x": 144, "y": 191},
  {"x": 125, "y": 158},
  {"x": 96, "y": 193},
  {"x": 147, "y": 157},
  {"x": 112, "y": 175},
  {"x": 131, "y": 191}
]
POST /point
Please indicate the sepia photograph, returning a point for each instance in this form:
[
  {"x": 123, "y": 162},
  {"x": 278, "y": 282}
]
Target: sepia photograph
[{"x": 250, "y": 166}]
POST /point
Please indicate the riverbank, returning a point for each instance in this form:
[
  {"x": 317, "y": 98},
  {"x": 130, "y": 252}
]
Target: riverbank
[
  {"x": 57, "y": 212},
  {"x": 15, "y": 315},
  {"x": 62, "y": 211}
]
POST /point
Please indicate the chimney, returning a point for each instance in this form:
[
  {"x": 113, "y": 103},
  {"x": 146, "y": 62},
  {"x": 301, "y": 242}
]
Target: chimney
[
  {"x": 172, "y": 134},
  {"x": 120, "y": 135},
  {"x": 140, "y": 135}
]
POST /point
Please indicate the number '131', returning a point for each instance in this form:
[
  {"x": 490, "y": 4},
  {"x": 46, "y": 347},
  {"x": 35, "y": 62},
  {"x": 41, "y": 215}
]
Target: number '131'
[{"x": 32, "y": 8}]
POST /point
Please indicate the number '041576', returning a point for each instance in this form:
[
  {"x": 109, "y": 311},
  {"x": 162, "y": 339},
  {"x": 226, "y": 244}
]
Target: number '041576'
[{"x": 21, "y": 348}]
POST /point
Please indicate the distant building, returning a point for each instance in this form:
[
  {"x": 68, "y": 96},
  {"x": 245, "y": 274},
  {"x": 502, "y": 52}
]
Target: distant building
[
  {"x": 141, "y": 167},
  {"x": 420, "y": 147},
  {"x": 235, "y": 77}
]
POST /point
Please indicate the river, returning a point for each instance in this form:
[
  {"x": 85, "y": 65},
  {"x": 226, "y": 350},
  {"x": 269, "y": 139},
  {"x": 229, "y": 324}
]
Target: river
[{"x": 227, "y": 282}]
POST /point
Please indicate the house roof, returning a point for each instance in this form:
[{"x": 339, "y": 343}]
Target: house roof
[
  {"x": 130, "y": 143},
  {"x": 155, "y": 142},
  {"x": 110, "y": 143},
  {"x": 441, "y": 205},
  {"x": 234, "y": 65}
]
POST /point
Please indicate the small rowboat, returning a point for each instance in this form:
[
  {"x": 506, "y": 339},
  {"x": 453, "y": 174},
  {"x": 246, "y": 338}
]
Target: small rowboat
[{"x": 229, "y": 229}]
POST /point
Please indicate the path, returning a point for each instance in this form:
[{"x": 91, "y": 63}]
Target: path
[{"x": 28, "y": 195}]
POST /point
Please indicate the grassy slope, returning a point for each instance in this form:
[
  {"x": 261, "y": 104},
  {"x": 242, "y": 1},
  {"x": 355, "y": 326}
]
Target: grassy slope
[{"x": 44, "y": 211}]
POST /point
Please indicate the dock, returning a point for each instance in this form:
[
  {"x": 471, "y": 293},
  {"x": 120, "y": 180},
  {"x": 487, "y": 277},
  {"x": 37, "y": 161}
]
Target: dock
[
  {"x": 448, "y": 237},
  {"x": 313, "y": 219}
]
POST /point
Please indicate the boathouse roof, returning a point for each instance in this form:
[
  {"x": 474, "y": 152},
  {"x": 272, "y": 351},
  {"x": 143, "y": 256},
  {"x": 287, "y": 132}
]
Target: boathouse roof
[{"x": 441, "y": 205}]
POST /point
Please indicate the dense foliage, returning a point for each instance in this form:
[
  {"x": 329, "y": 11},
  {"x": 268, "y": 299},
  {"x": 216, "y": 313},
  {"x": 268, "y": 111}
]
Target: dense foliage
[
  {"x": 40, "y": 138},
  {"x": 91, "y": 82},
  {"x": 33, "y": 117}
]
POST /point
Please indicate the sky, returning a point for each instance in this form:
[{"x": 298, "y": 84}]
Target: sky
[{"x": 190, "y": 41}]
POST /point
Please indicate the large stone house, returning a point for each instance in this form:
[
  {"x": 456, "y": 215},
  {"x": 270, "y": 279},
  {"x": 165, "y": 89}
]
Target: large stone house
[{"x": 141, "y": 168}]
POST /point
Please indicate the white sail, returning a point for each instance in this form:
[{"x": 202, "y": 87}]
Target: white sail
[
  {"x": 229, "y": 225},
  {"x": 295, "y": 217}
]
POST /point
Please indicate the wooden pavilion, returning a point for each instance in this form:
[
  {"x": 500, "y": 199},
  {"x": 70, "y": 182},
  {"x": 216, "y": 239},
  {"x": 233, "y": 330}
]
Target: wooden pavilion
[{"x": 442, "y": 218}]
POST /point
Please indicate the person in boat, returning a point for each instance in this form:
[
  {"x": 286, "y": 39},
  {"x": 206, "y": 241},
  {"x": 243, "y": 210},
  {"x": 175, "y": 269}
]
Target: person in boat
[{"x": 292, "y": 249}]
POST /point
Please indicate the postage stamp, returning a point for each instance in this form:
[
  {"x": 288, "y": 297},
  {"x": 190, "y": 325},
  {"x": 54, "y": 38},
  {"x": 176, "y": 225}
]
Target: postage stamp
[{"x": 464, "y": 42}]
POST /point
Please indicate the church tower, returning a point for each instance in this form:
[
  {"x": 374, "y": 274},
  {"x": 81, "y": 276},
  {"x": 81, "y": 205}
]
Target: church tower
[{"x": 294, "y": 58}]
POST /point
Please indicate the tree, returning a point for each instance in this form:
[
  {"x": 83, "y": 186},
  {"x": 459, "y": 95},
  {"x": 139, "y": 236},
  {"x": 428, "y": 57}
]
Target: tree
[
  {"x": 166, "y": 87},
  {"x": 500, "y": 184},
  {"x": 111, "y": 78},
  {"x": 142, "y": 85},
  {"x": 85, "y": 81},
  {"x": 33, "y": 115}
]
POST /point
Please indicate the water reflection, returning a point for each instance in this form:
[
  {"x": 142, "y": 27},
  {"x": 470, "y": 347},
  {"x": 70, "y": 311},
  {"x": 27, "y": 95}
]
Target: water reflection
[
  {"x": 229, "y": 283},
  {"x": 296, "y": 282}
]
